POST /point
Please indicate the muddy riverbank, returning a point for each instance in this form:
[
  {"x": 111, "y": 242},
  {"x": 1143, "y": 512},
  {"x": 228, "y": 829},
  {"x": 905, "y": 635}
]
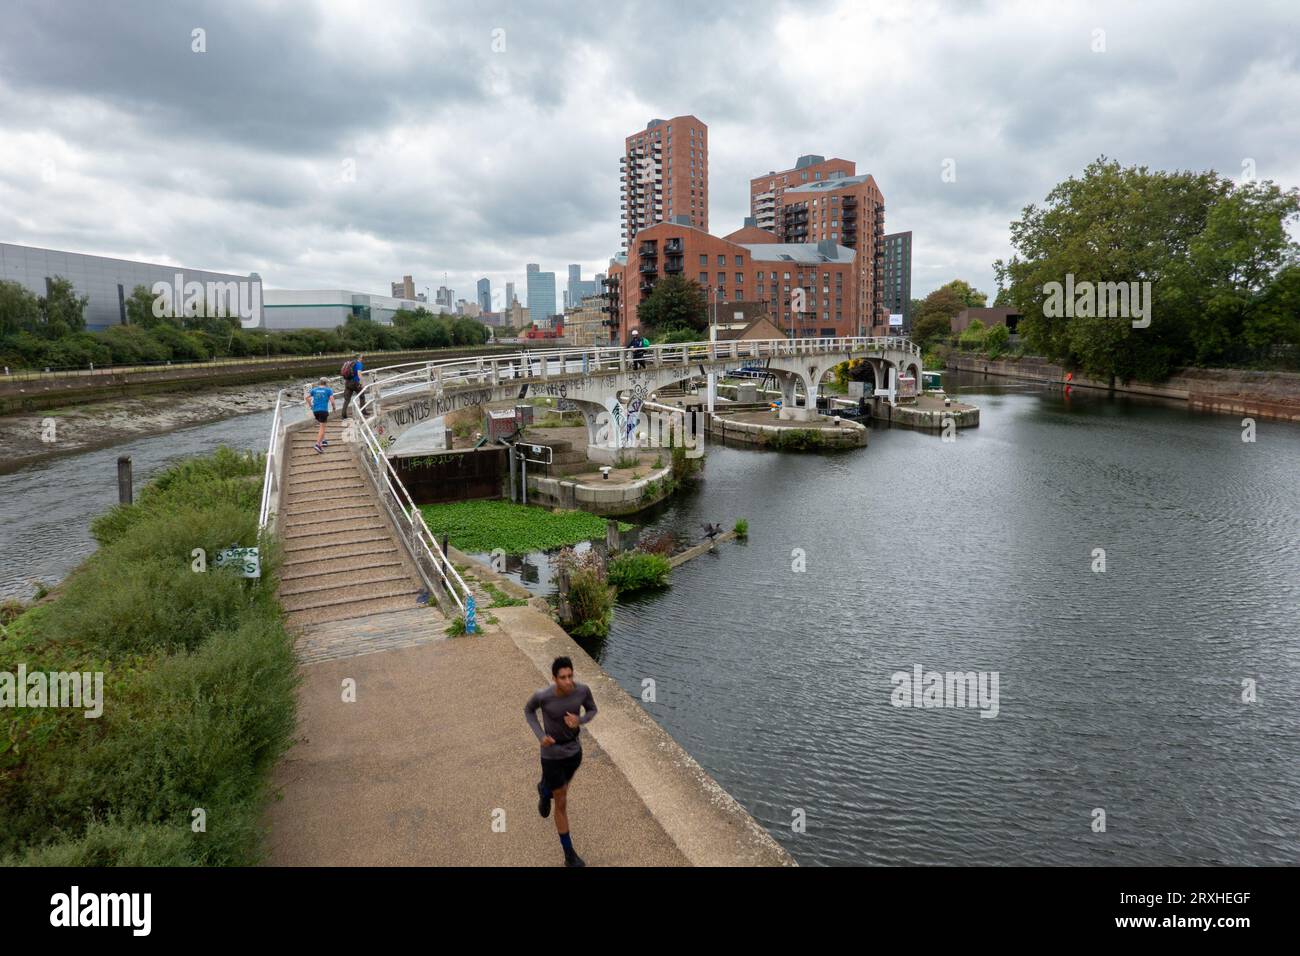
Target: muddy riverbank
[{"x": 34, "y": 436}]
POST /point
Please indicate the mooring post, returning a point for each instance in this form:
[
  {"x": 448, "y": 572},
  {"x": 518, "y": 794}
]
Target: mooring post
[
  {"x": 124, "y": 490},
  {"x": 612, "y": 541}
]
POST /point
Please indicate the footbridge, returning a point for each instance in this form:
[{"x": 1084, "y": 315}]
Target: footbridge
[{"x": 610, "y": 385}]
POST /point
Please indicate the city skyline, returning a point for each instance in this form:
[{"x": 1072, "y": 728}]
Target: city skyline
[{"x": 320, "y": 171}]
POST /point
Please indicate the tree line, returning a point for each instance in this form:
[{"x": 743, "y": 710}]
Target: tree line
[{"x": 49, "y": 331}]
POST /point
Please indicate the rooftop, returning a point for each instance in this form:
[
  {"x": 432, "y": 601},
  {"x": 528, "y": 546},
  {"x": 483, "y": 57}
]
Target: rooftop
[
  {"x": 826, "y": 185},
  {"x": 827, "y": 251}
]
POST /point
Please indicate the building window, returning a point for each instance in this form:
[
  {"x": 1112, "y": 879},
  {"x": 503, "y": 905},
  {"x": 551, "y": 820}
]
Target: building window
[
  {"x": 740, "y": 278},
  {"x": 722, "y": 279},
  {"x": 704, "y": 278},
  {"x": 704, "y": 260},
  {"x": 722, "y": 260},
  {"x": 787, "y": 277}
]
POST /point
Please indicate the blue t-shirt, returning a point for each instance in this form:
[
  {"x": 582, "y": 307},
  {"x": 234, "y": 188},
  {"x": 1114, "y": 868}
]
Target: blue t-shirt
[
  {"x": 320, "y": 398},
  {"x": 357, "y": 369}
]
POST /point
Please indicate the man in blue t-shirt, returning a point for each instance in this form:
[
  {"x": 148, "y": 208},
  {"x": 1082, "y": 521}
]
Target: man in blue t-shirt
[{"x": 321, "y": 403}]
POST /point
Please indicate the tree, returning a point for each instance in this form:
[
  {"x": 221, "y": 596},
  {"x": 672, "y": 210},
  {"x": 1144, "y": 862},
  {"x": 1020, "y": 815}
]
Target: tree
[
  {"x": 1113, "y": 224},
  {"x": 20, "y": 311},
  {"x": 1003, "y": 300},
  {"x": 139, "y": 309},
  {"x": 63, "y": 312},
  {"x": 675, "y": 303},
  {"x": 973, "y": 298},
  {"x": 995, "y": 340},
  {"x": 933, "y": 320},
  {"x": 972, "y": 337}
]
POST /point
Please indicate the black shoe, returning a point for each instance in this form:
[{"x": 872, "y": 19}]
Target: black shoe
[
  {"x": 543, "y": 802},
  {"x": 572, "y": 859}
]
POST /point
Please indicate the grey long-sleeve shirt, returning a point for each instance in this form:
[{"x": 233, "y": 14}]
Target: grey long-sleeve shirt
[{"x": 553, "y": 708}]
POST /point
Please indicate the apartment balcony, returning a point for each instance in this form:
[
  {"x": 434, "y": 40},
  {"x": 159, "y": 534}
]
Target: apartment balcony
[
  {"x": 673, "y": 246},
  {"x": 673, "y": 264},
  {"x": 648, "y": 248},
  {"x": 647, "y": 287}
]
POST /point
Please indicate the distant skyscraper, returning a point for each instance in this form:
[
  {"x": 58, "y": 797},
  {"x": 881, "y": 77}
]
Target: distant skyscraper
[
  {"x": 485, "y": 294},
  {"x": 510, "y": 296},
  {"x": 541, "y": 294},
  {"x": 445, "y": 297},
  {"x": 404, "y": 289},
  {"x": 578, "y": 288}
]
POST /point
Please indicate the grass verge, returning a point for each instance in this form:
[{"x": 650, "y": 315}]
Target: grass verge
[{"x": 198, "y": 688}]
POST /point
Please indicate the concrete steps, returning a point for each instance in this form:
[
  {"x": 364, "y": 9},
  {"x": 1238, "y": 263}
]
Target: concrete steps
[{"x": 341, "y": 560}]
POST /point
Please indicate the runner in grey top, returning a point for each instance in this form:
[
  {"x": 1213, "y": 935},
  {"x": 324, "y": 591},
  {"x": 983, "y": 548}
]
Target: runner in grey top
[
  {"x": 553, "y": 708},
  {"x": 565, "y": 707}
]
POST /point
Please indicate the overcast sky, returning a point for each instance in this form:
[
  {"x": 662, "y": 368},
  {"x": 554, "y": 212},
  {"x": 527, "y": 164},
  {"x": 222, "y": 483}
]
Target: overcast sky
[{"x": 344, "y": 144}]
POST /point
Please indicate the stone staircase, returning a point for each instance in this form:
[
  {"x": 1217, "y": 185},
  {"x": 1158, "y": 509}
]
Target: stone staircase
[
  {"x": 341, "y": 557},
  {"x": 565, "y": 460}
]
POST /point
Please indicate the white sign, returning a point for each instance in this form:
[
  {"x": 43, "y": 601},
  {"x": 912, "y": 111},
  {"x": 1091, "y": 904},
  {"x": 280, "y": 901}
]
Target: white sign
[{"x": 247, "y": 561}]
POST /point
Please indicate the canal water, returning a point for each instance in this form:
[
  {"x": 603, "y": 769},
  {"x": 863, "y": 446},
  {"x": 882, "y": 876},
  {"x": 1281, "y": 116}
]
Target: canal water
[
  {"x": 47, "y": 507},
  {"x": 772, "y": 660}
]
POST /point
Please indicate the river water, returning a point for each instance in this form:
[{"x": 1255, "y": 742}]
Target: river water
[{"x": 772, "y": 660}]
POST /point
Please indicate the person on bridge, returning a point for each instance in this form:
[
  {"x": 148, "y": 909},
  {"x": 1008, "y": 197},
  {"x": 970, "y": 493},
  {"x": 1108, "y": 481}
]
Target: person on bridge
[
  {"x": 321, "y": 403},
  {"x": 352, "y": 384},
  {"x": 636, "y": 343},
  {"x": 561, "y": 749}
]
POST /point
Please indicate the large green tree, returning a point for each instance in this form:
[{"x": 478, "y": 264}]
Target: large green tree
[
  {"x": 933, "y": 320},
  {"x": 1215, "y": 254},
  {"x": 20, "y": 311},
  {"x": 63, "y": 312},
  {"x": 675, "y": 303},
  {"x": 974, "y": 298}
]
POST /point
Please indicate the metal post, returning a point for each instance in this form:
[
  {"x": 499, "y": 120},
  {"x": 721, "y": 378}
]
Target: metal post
[{"x": 124, "y": 486}]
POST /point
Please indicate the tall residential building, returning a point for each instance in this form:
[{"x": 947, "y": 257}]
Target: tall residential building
[
  {"x": 404, "y": 289},
  {"x": 510, "y": 297},
  {"x": 766, "y": 193},
  {"x": 849, "y": 210},
  {"x": 485, "y": 294},
  {"x": 541, "y": 294},
  {"x": 898, "y": 276},
  {"x": 665, "y": 175},
  {"x": 446, "y": 298}
]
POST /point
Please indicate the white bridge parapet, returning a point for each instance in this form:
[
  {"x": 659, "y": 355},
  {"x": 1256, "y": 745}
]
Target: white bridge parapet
[{"x": 614, "y": 381}]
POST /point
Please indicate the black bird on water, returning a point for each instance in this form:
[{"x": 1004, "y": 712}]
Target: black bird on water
[{"x": 711, "y": 531}]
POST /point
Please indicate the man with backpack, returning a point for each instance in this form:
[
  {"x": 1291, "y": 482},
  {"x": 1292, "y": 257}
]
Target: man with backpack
[{"x": 351, "y": 373}]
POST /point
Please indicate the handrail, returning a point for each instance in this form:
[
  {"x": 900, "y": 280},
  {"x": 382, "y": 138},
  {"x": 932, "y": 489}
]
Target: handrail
[
  {"x": 271, "y": 476},
  {"x": 419, "y": 537}
]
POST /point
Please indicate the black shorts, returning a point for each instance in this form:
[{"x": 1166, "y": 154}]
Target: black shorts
[
  {"x": 322, "y": 417},
  {"x": 558, "y": 773}
]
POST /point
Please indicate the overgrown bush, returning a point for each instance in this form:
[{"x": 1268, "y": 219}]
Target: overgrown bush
[
  {"x": 198, "y": 693},
  {"x": 591, "y": 599},
  {"x": 637, "y": 570}
]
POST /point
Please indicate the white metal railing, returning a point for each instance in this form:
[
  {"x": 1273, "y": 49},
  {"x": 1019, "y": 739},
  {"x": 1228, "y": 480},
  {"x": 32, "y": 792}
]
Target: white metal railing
[
  {"x": 433, "y": 563},
  {"x": 274, "y": 449}
]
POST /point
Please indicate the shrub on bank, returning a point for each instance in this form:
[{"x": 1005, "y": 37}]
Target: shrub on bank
[
  {"x": 637, "y": 570},
  {"x": 198, "y": 696}
]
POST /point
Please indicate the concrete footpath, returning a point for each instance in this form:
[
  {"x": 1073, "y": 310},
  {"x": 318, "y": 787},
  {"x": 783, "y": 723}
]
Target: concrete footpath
[{"x": 433, "y": 765}]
